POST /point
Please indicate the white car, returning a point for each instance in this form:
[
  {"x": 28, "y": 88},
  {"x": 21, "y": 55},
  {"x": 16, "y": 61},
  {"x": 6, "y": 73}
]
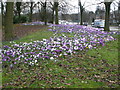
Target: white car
[{"x": 99, "y": 23}]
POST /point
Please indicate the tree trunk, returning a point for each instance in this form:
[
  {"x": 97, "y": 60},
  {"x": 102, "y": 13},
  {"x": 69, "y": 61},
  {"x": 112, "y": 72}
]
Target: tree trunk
[
  {"x": 81, "y": 13},
  {"x": 2, "y": 9},
  {"x": 39, "y": 11},
  {"x": 53, "y": 15},
  {"x": 18, "y": 4},
  {"x": 107, "y": 16},
  {"x": 45, "y": 13},
  {"x": 9, "y": 21},
  {"x": 31, "y": 12},
  {"x": 56, "y": 13},
  {"x": 81, "y": 17}
]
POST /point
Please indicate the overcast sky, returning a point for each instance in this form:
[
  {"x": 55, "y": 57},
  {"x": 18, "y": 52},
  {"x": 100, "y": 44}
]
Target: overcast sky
[
  {"x": 74, "y": 4},
  {"x": 90, "y": 5}
]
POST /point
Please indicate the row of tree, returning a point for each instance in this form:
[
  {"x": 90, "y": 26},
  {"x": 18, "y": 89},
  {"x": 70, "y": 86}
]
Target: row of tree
[
  {"x": 15, "y": 9},
  {"x": 107, "y": 13}
]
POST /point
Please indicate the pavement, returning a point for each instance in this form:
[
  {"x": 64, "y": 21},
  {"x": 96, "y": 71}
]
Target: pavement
[{"x": 114, "y": 28}]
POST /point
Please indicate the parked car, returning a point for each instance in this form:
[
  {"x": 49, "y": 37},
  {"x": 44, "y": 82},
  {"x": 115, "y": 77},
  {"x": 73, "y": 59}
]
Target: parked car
[
  {"x": 99, "y": 23},
  {"x": 92, "y": 24},
  {"x": 85, "y": 23}
]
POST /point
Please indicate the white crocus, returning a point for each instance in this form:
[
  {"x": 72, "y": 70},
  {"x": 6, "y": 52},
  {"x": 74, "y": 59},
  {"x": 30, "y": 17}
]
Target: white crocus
[
  {"x": 51, "y": 58},
  {"x": 76, "y": 47},
  {"x": 60, "y": 55},
  {"x": 35, "y": 61},
  {"x": 90, "y": 46},
  {"x": 53, "y": 49}
]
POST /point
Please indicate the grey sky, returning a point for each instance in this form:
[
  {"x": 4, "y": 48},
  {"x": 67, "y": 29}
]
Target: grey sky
[{"x": 90, "y": 5}]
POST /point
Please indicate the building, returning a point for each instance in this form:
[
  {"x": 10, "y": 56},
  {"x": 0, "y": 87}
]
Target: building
[{"x": 100, "y": 13}]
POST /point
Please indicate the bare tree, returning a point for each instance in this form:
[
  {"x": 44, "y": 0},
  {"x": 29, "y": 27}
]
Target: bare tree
[
  {"x": 44, "y": 8},
  {"x": 53, "y": 10},
  {"x": 81, "y": 11},
  {"x": 32, "y": 5},
  {"x": 39, "y": 9},
  {"x": 56, "y": 7},
  {"x": 18, "y": 8},
  {"x": 56, "y": 11},
  {"x": 45, "y": 13},
  {"x": 107, "y": 15},
  {"x": 28, "y": 8}
]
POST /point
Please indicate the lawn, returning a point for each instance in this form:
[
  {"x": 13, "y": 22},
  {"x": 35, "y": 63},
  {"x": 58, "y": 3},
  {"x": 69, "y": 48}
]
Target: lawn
[
  {"x": 93, "y": 68},
  {"x": 36, "y": 33}
]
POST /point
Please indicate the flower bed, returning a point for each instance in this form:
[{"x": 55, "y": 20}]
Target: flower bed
[{"x": 57, "y": 46}]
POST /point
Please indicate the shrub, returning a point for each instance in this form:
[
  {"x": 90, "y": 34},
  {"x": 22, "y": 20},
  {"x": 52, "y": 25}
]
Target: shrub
[{"x": 22, "y": 19}]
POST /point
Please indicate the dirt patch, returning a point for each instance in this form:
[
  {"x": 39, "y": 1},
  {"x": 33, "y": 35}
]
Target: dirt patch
[{"x": 23, "y": 30}]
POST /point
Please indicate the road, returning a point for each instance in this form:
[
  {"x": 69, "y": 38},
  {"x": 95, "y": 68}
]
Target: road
[{"x": 112, "y": 28}]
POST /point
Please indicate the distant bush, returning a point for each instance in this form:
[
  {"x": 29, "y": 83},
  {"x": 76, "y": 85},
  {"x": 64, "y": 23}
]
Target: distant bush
[{"x": 22, "y": 19}]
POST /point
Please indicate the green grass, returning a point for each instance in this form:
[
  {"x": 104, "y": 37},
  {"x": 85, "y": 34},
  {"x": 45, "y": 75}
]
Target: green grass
[
  {"x": 97, "y": 68},
  {"x": 0, "y": 78},
  {"x": 39, "y": 35},
  {"x": 110, "y": 52},
  {"x": 42, "y": 34}
]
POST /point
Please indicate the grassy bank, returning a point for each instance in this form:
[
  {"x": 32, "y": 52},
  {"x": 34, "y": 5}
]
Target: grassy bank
[
  {"x": 38, "y": 35},
  {"x": 97, "y": 68}
]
